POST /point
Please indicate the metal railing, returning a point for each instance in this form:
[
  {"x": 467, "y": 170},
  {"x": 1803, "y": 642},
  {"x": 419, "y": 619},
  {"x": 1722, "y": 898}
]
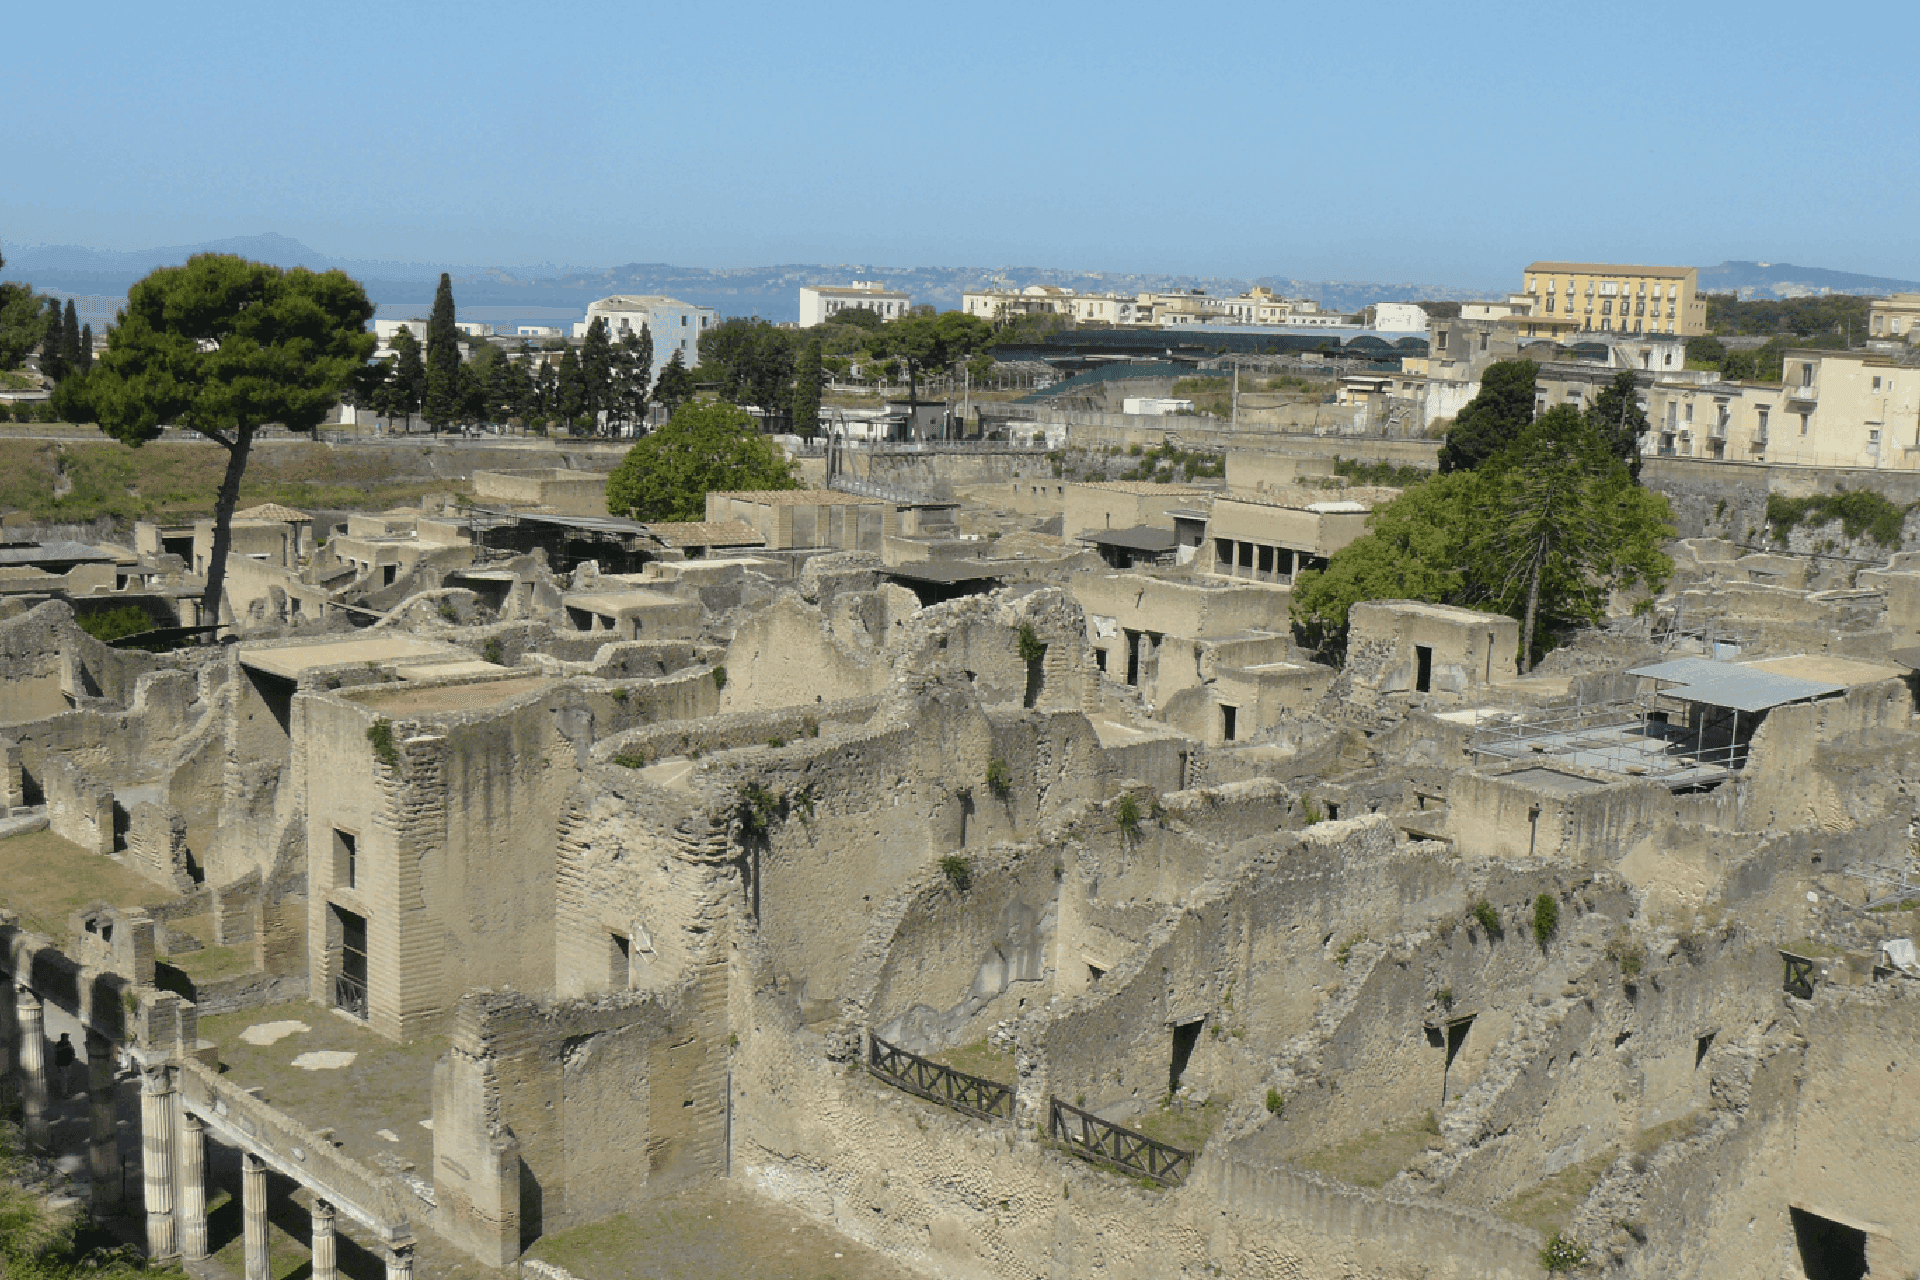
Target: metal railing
[
  {"x": 900, "y": 494},
  {"x": 973, "y": 1095},
  {"x": 1798, "y": 980},
  {"x": 350, "y": 995},
  {"x": 1087, "y": 1135}
]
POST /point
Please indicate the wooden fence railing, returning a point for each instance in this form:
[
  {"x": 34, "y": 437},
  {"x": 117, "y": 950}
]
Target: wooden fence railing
[
  {"x": 984, "y": 1099},
  {"x": 1097, "y": 1139},
  {"x": 1798, "y": 980}
]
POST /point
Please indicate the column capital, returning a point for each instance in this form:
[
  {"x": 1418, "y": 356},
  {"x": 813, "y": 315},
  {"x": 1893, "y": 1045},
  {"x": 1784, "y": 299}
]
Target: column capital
[{"x": 156, "y": 1079}]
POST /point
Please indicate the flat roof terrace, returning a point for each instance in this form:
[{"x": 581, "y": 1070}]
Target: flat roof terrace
[
  {"x": 292, "y": 661},
  {"x": 475, "y": 695}
]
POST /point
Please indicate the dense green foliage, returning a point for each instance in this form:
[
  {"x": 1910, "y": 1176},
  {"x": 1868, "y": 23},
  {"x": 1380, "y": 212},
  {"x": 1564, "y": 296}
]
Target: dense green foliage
[
  {"x": 39, "y": 1244},
  {"x": 1391, "y": 474},
  {"x": 224, "y": 346},
  {"x": 1543, "y": 531},
  {"x": 1546, "y": 918},
  {"x": 1755, "y": 364},
  {"x": 23, "y": 322},
  {"x": 676, "y": 385},
  {"x": 750, "y": 362},
  {"x": 108, "y": 625},
  {"x": 1827, "y": 320},
  {"x": 808, "y": 375},
  {"x": 1617, "y": 416},
  {"x": 1859, "y": 511},
  {"x": 706, "y": 448},
  {"x": 1493, "y": 419},
  {"x": 924, "y": 343}
]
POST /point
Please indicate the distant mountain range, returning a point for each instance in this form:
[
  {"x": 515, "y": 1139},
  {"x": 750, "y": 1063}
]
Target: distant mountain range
[
  {"x": 546, "y": 291},
  {"x": 1784, "y": 280}
]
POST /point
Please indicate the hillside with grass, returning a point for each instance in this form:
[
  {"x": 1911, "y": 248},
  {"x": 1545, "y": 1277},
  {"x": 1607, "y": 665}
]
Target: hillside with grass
[{"x": 80, "y": 480}]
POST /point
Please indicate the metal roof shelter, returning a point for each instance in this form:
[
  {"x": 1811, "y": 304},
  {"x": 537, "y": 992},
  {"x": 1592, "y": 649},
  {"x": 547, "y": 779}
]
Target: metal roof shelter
[
  {"x": 1732, "y": 685},
  {"x": 1139, "y": 538}
]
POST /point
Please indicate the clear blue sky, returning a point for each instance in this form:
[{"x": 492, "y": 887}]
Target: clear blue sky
[{"x": 1435, "y": 143}]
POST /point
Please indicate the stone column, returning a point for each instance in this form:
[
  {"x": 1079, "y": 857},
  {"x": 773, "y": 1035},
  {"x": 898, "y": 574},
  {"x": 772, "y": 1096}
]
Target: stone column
[
  {"x": 400, "y": 1262},
  {"x": 103, "y": 1146},
  {"x": 156, "y": 1158},
  {"x": 325, "y": 1264},
  {"x": 9, "y": 1036},
  {"x": 33, "y": 1068},
  {"x": 193, "y": 1187},
  {"x": 253, "y": 1204}
]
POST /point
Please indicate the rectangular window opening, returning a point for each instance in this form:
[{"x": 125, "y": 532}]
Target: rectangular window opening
[
  {"x": 350, "y": 980},
  {"x": 1423, "y": 668},
  {"x": 346, "y": 859},
  {"x": 619, "y": 961},
  {"x": 1229, "y": 723}
]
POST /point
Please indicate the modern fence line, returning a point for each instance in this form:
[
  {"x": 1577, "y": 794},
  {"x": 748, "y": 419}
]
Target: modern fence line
[
  {"x": 1082, "y": 1132},
  {"x": 977, "y": 1097},
  {"x": 1088, "y": 1135}
]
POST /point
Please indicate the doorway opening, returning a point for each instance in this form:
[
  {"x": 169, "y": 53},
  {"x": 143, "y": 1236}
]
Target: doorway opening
[
  {"x": 1186, "y": 1037},
  {"x": 350, "y": 983},
  {"x": 1423, "y": 668},
  {"x": 1829, "y": 1250}
]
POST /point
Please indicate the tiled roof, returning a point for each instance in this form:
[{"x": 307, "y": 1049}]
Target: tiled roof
[
  {"x": 706, "y": 533},
  {"x": 272, "y": 511},
  {"x": 801, "y": 498}
]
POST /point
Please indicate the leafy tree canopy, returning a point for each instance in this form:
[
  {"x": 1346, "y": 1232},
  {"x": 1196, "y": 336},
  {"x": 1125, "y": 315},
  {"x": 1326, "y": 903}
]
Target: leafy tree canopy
[
  {"x": 1494, "y": 418},
  {"x": 749, "y": 361},
  {"x": 707, "y": 448},
  {"x": 857, "y": 317},
  {"x": 1543, "y": 532},
  {"x": 1616, "y": 416},
  {"x": 929, "y": 342}
]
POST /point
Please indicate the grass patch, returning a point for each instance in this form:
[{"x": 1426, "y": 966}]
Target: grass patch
[
  {"x": 1648, "y": 1141},
  {"x": 1372, "y": 1159},
  {"x": 1188, "y": 1128},
  {"x": 209, "y": 964},
  {"x": 46, "y": 878},
  {"x": 979, "y": 1059},
  {"x": 1548, "y": 1206},
  {"x": 1813, "y": 948}
]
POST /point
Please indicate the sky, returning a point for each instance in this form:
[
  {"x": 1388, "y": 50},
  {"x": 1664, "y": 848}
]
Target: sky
[{"x": 1439, "y": 143}]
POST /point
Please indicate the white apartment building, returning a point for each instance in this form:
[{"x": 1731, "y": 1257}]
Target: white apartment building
[
  {"x": 1399, "y": 317},
  {"x": 674, "y": 325},
  {"x": 819, "y": 302}
]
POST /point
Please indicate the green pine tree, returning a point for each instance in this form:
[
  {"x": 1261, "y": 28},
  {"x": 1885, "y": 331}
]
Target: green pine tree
[
  {"x": 85, "y": 363},
  {"x": 596, "y": 369},
  {"x": 70, "y": 340},
  {"x": 409, "y": 377}
]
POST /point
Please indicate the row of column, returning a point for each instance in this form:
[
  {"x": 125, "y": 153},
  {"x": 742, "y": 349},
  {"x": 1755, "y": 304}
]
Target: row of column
[
  {"x": 162, "y": 1165},
  {"x": 22, "y": 1012},
  {"x": 173, "y": 1230}
]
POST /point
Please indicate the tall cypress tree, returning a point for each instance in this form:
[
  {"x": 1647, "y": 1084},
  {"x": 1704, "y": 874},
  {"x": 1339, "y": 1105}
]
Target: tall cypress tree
[
  {"x": 70, "y": 340},
  {"x": 596, "y": 369},
  {"x": 53, "y": 348},
  {"x": 85, "y": 362},
  {"x": 806, "y": 390},
  {"x": 409, "y": 385},
  {"x": 442, "y": 404}
]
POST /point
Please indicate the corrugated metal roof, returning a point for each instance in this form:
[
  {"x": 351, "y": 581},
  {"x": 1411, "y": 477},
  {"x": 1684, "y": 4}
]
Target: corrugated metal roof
[
  {"x": 1139, "y": 538},
  {"x": 1730, "y": 685}
]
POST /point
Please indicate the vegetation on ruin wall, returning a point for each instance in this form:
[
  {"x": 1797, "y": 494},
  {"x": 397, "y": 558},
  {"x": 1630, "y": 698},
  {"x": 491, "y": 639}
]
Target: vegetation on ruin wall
[
  {"x": 39, "y": 1244},
  {"x": 1859, "y": 511},
  {"x": 1392, "y": 474},
  {"x": 170, "y": 480}
]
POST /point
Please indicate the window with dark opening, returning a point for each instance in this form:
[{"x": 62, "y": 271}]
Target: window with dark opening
[
  {"x": 619, "y": 960},
  {"x": 1100, "y": 659},
  {"x": 1229, "y": 722},
  {"x": 1333, "y": 812},
  {"x": 346, "y": 859},
  {"x": 392, "y": 573},
  {"x": 1829, "y": 1250},
  {"x": 1095, "y": 973},
  {"x": 1422, "y": 668},
  {"x": 1185, "y": 1037}
]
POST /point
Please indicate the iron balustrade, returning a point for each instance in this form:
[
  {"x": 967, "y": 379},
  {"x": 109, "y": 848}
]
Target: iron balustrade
[
  {"x": 1088, "y": 1135},
  {"x": 350, "y": 995},
  {"x": 981, "y": 1098}
]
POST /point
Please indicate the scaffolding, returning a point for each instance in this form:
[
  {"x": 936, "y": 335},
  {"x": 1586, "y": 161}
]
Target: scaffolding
[{"x": 1630, "y": 738}]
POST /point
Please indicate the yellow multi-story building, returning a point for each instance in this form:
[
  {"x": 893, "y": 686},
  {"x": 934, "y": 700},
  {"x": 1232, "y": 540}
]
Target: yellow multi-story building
[{"x": 1619, "y": 299}]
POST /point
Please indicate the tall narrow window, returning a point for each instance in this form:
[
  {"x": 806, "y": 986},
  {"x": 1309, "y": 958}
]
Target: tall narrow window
[
  {"x": 1229, "y": 723},
  {"x": 346, "y": 859}
]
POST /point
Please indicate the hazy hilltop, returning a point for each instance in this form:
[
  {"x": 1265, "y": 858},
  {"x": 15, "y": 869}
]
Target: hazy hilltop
[
  {"x": 1784, "y": 280},
  {"x": 768, "y": 291},
  {"x": 546, "y": 289}
]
